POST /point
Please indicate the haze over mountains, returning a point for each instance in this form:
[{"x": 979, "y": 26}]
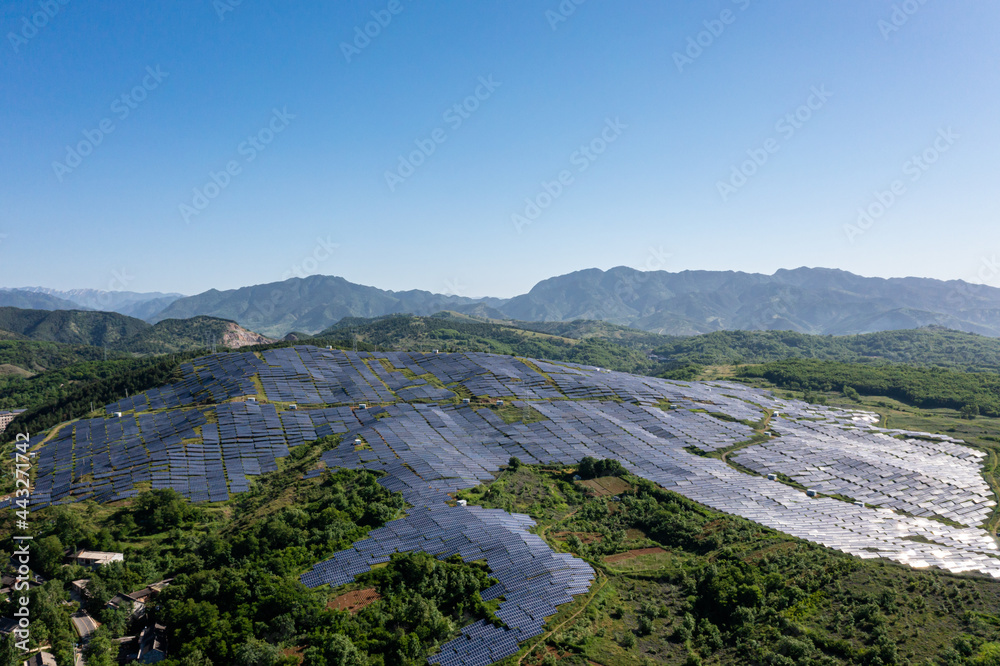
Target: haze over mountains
[
  {"x": 806, "y": 300},
  {"x": 131, "y": 303}
]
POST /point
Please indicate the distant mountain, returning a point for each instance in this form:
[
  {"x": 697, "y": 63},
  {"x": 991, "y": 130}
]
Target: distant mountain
[
  {"x": 119, "y": 332},
  {"x": 131, "y": 303},
  {"x": 806, "y": 300},
  {"x": 34, "y": 301},
  {"x": 310, "y": 304},
  {"x": 146, "y": 310}
]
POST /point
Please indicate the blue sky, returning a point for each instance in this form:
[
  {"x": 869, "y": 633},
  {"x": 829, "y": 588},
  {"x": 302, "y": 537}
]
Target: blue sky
[{"x": 648, "y": 134}]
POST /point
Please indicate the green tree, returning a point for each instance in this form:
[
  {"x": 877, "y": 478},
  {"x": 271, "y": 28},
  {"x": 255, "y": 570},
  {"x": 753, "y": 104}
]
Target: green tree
[
  {"x": 9, "y": 654},
  {"x": 160, "y": 510},
  {"x": 256, "y": 653},
  {"x": 969, "y": 411},
  {"x": 48, "y": 555},
  {"x": 100, "y": 649},
  {"x": 338, "y": 650}
]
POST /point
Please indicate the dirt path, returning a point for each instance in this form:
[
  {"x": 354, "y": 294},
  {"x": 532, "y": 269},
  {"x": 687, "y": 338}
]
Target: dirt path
[
  {"x": 767, "y": 424},
  {"x": 545, "y": 636},
  {"x": 597, "y": 588}
]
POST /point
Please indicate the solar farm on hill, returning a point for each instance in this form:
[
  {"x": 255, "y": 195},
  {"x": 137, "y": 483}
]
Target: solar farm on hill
[{"x": 431, "y": 427}]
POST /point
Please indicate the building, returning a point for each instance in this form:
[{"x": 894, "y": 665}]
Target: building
[
  {"x": 7, "y": 417},
  {"x": 41, "y": 659},
  {"x": 96, "y": 558},
  {"x": 121, "y": 601},
  {"x": 145, "y": 593},
  {"x": 148, "y": 647},
  {"x": 78, "y": 590},
  {"x": 152, "y": 644}
]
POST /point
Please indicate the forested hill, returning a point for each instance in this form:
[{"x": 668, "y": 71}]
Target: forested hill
[
  {"x": 932, "y": 346},
  {"x": 118, "y": 332},
  {"x": 76, "y": 327},
  {"x": 639, "y": 351},
  {"x": 623, "y": 349}
]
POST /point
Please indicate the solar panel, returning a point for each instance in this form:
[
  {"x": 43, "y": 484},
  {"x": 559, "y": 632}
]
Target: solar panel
[{"x": 427, "y": 445}]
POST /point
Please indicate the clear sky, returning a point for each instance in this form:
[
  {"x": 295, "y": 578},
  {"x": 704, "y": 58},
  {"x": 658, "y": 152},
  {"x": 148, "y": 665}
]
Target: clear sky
[{"x": 699, "y": 146}]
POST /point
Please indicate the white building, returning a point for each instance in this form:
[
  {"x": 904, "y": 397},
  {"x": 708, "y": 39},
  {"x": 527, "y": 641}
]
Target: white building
[{"x": 7, "y": 417}]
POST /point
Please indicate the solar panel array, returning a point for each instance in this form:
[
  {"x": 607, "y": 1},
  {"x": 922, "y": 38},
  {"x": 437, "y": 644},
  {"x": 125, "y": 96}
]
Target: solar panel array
[
  {"x": 103, "y": 459},
  {"x": 217, "y": 376},
  {"x": 427, "y": 444},
  {"x": 916, "y": 476}
]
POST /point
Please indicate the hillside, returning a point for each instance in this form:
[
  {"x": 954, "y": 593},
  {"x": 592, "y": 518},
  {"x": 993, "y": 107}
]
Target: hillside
[
  {"x": 671, "y": 549},
  {"x": 591, "y": 343},
  {"x": 174, "y": 335},
  {"x": 448, "y": 332},
  {"x": 35, "y": 357},
  {"x": 922, "y": 387},
  {"x": 931, "y": 346},
  {"x": 122, "y": 333},
  {"x": 582, "y": 329},
  {"x": 73, "y": 327},
  {"x": 805, "y": 300},
  {"x": 36, "y": 372}
]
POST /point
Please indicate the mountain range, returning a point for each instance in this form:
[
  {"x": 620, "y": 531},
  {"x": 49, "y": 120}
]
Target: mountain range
[
  {"x": 131, "y": 303},
  {"x": 805, "y": 300}
]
